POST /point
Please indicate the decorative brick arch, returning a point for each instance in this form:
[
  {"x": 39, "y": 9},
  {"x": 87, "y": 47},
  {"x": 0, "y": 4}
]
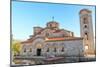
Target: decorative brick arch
[{"x": 38, "y": 43}]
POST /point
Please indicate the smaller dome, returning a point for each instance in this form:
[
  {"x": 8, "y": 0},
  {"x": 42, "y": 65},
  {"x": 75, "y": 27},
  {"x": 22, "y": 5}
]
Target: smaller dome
[{"x": 52, "y": 24}]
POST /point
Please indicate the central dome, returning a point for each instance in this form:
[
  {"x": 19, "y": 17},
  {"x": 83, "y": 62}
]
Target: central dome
[{"x": 52, "y": 24}]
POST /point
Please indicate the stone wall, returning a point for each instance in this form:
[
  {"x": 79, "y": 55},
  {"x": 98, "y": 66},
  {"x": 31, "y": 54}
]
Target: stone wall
[{"x": 54, "y": 48}]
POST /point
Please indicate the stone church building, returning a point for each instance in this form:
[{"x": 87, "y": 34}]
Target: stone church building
[{"x": 52, "y": 41}]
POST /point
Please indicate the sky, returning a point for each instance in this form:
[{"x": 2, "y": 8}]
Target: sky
[{"x": 26, "y": 15}]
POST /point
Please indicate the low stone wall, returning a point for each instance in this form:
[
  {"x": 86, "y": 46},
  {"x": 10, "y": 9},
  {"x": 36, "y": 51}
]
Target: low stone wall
[{"x": 40, "y": 60}]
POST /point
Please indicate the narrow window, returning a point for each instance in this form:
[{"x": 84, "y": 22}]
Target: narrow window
[
  {"x": 50, "y": 25},
  {"x": 25, "y": 50},
  {"x": 85, "y": 20},
  {"x": 55, "y": 50},
  {"x": 48, "y": 50},
  {"x": 86, "y": 36},
  {"x": 62, "y": 50},
  {"x": 85, "y": 26},
  {"x": 30, "y": 49}
]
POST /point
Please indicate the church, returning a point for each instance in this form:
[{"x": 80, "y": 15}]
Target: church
[{"x": 52, "y": 41}]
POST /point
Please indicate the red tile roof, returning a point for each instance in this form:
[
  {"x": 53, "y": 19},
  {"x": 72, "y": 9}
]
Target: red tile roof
[
  {"x": 63, "y": 38},
  {"x": 50, "y": 39}
]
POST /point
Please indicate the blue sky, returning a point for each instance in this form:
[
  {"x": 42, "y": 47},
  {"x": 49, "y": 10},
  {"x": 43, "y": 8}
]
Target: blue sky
[{"x": 26, "y": 15}]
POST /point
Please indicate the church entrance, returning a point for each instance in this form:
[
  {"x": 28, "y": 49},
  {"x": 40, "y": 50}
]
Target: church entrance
[{"x": 38, "y": 52}]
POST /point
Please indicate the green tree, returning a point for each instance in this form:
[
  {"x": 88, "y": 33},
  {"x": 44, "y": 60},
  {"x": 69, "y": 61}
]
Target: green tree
[{"x": 16, "y": 47}]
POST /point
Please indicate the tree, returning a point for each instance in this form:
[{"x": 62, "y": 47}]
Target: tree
[{"x": 16, "y": 47}]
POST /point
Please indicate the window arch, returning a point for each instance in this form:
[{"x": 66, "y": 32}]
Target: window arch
[
  {"x": 38, "y": 45},
  {"x": 86, "y": 35}
]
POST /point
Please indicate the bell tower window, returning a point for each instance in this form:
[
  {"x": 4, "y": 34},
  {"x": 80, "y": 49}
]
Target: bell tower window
[
  {"x": 85, "y": 20},
  {"x": 86, "y": 36},
  {"x": 85, "y": 26}
]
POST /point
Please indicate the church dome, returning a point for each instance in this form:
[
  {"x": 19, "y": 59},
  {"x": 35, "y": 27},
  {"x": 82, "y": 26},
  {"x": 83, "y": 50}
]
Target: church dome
[{"x": 52, "y": 24}]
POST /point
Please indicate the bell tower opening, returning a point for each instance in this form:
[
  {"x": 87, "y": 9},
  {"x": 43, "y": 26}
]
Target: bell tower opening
[
  {"x": 86, "y": 36},
  {"x": 85, "y": 20}
]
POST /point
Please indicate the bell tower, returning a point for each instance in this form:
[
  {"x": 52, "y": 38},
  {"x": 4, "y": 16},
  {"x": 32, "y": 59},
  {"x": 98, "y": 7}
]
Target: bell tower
[{"x": 86, "y": 30}]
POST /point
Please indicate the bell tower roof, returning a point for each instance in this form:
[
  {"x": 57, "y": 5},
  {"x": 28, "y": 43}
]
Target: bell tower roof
[{"x": 84, "y": 11}]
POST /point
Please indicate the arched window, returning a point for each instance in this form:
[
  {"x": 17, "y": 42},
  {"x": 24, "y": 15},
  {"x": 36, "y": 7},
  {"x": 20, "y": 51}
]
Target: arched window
[
  {"x": 30, "y": 49},
  {"x": 55, "y": 49},
  {"x": 85, "y": 26},
  {"x": 62, "y": 50},
  {"x": 48, "y": 50},
  {"x": 86, "y": 36},
  {"x": 24, "y": 49},
  {"x": 85, "y": 20},
  {"x": 50, "y": 25}
]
